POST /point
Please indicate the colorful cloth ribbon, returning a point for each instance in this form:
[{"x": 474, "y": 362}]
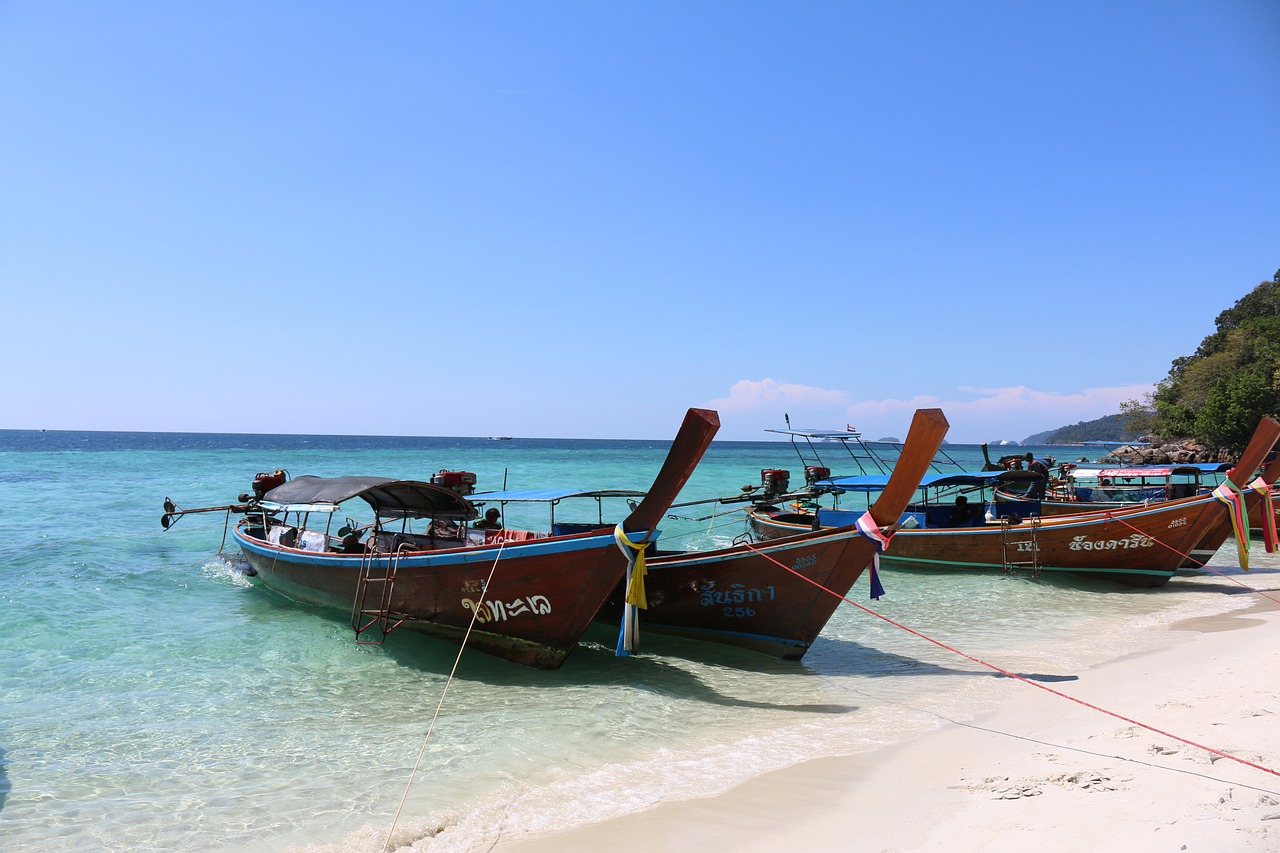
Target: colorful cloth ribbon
[
  {"x": 634, "y": 601},
  {"x": 868, "y": 529},
  {"x": 1232, "y": 497},
  {"x": 1263, "y": 488}
]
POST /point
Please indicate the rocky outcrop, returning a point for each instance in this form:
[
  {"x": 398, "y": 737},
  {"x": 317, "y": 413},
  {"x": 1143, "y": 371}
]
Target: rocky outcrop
[{"x": 1157, "y": 452}]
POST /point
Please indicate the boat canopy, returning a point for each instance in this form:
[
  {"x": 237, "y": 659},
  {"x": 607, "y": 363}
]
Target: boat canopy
[
  {"x": 551, "y": 495},
  {"x": 824, "y": 434},
  {"x": 1189, "y": 470},
  {"x": 934, "y": 480},
  {"x": 388, "y": 497}
]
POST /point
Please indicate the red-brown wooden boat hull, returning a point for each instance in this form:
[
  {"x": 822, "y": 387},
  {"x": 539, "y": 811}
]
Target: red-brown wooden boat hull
[
  {"x": 775, "y": 597},
  {"x": 771, "y": 597},
  {"x": 1138, "y": 547},
  {"x": 533, "y": 610}
]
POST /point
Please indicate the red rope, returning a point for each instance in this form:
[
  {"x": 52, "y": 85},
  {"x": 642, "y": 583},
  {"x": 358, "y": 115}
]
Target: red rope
[
  {"x": 1194, "y": 560},
  {"x": 1014, "y": 675}
]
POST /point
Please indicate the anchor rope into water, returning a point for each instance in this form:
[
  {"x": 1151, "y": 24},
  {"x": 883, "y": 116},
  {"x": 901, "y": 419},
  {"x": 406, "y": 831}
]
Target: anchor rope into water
[
  {"x": 475, "y": 613},
  {"x": 1015, "y": 675}
]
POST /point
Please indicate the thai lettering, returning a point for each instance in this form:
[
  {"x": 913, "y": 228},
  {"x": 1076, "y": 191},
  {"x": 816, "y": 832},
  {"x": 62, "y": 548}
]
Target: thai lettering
[
  {"x": 1137, "y": 540},
  {"x": 736, "y": 594},
  {"x": 499, "y": 611}
]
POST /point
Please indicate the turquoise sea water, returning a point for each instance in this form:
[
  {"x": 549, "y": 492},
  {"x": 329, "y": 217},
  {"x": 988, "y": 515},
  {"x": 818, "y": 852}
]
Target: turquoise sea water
[{"x": 155, "y": 700}]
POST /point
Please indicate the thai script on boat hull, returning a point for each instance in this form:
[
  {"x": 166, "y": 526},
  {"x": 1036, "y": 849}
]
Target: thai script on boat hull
[
  {"x": 1137, "y": 540},
  {"x": 498, "y": 611}
]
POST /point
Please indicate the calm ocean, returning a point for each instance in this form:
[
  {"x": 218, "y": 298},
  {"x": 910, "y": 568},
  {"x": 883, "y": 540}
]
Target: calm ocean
[{"x": 155, "y": 700}]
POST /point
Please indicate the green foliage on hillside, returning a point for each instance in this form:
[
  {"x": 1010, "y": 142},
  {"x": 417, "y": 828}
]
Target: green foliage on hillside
[
  {"x": 1109, "y": 428},
  {"x": 1217, "y": 395}
]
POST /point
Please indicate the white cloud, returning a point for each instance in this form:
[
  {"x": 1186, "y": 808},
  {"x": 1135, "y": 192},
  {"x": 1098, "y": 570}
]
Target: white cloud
[
  {"x": 748, "y": 395},
  {"x": 976, "y": 414}
]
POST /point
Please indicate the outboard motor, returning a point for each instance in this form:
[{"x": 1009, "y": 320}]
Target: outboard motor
[
  {"x": 814, "y": 473},
  {"x": 462, "y": 482},
  {"x": 263, "y": 482},
  {"x": 775, "y": 481}
]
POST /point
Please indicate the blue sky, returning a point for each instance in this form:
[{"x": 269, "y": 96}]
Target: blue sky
[{"x": 577, "y": 219}]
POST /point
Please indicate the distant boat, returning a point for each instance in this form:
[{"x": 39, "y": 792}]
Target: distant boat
[{"x": 499, "y": 438}]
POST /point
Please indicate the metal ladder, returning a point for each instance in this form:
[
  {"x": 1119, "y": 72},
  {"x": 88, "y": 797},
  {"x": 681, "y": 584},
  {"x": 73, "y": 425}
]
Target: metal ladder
[
  {"x": 1022, "y": 538},
  {"x": 366, "y": 615}
]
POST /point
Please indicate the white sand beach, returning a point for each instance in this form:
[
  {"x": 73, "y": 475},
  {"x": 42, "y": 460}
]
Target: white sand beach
[{"x": 1041, "y": 772}]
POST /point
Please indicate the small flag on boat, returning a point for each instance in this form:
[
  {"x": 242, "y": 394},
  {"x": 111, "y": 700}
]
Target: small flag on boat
[
  {"x": 870, "y": 530},
  {"x": 849, "y": 428}
]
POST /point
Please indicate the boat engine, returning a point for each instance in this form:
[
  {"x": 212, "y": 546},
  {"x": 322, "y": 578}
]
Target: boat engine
[
  {"x": 775, "y": 481},
  {"x": 265, "y": 481},
  {"x": 814, "y": 473},
  {"x": 462, "y": 482}
]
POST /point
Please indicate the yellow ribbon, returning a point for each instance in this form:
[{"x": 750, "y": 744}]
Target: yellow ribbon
[{"x": 636, "y": 571}]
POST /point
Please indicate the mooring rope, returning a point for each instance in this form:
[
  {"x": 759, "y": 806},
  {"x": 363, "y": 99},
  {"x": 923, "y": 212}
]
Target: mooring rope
[
  {"x": 1199, "y": 563},
  {"x": 475, "y": 613},
  {"x": 1015, "y": 675}
]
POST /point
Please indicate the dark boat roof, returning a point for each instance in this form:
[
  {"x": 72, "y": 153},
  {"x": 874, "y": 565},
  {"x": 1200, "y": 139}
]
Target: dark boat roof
[
  {"x": 877, "y": 482},
  {"x": 413, "y": 498}
]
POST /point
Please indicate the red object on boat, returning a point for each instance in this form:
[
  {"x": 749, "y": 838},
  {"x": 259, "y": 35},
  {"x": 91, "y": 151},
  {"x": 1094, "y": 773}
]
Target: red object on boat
[
  {"x": 814, "y": 473},
  {"x": 265, "y": 481},
  {"x": 775, "y": 480},
  {"x": 462, "y": 482}
]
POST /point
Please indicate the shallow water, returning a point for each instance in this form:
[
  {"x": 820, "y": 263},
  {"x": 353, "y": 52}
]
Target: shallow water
[{"x": 155, "y": 700}]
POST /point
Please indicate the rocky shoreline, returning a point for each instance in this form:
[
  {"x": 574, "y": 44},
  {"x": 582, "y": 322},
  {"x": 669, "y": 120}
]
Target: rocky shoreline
[{"x": 1158, "y": 452}]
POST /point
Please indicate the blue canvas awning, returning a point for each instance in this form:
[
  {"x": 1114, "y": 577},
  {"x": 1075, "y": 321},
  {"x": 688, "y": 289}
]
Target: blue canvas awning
[{"x": 877, "y": 482}]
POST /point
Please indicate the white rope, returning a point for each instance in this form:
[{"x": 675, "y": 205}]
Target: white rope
[{"x": 475, "y": 612}]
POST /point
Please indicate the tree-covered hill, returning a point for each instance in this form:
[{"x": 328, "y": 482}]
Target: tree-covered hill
[
  {"x": 1218, "y": 394},
  {"x": 1215, "y": 396},
  {"x": 1109, "y": 428}
]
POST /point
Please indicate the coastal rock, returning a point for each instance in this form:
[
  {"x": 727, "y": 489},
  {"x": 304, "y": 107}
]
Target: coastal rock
[{"x": 1156, "y": 451}]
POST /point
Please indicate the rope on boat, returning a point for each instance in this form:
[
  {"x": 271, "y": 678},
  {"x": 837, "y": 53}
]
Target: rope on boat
[
  {"x": 475, "y": 613},
  {"x": 1206, "y": 566},
  {"x": 1015, "y": 675}
]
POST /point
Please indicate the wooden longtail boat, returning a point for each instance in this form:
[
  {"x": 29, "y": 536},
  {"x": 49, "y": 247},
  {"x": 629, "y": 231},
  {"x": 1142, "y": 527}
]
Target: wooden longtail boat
[
  {"x": 775, "y": 597},
  {"x": 767, "y": 597},
  {"x": 532, "y": 595},
  {"x": 1096, "y": 488},
  {"x": 1142, "y": 546}
]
